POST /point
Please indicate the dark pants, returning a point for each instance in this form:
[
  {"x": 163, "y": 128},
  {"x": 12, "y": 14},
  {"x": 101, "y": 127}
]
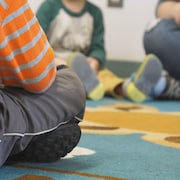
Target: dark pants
[
  {"x": 24, "y": 115},
  {"x": 163, "y": 40}
]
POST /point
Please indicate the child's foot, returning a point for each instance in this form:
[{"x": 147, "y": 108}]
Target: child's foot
[
  {"x": 172, "y": 89},
  {"x": 94, "y": 89},
  {"x": 141, "y": 86},
  {"x": 51, "y": 146}
]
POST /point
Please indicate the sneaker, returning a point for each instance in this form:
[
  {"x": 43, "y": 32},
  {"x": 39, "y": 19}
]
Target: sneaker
[
  {"x": 94, "y": 89},
  {"x": 172, "y": 90},
  {"x": 51, "y": 146},
  {"x": 141, "y": 86}
]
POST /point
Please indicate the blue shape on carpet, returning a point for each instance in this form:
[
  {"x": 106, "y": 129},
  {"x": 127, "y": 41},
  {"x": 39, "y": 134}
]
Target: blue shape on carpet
[{"x": 123, "y": 156}]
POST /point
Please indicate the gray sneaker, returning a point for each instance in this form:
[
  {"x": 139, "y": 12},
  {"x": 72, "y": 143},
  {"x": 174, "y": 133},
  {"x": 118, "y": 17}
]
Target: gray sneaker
[
  {"x": 94, "y": 88},
  {"x": 140, "y": 87},
  {"x": 51, "y": 146}
]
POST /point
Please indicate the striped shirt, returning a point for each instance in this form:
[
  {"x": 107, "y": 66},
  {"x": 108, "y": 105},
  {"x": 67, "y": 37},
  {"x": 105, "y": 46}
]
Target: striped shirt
[{"x": 26, "y": 58}]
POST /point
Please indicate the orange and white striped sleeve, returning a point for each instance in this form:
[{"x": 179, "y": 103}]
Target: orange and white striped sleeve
[{"x": 26, "y": 58}]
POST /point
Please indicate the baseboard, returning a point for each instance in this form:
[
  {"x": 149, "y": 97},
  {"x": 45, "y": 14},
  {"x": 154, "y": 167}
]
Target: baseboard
[{"x": 122, "y": 68}]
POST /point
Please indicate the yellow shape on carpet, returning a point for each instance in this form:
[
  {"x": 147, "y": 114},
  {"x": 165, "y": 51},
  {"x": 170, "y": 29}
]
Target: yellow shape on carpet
[{"x": 157, "y": 127}]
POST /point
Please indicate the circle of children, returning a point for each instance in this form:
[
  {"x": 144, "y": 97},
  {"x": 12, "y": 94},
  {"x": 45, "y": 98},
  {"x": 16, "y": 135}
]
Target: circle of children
[{"x": 52, "y": 62}]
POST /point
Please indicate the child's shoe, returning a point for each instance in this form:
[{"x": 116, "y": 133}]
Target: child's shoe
[
  {"x": 94, "y": 89},
  {"x": 140, "y": 87},
  {"x": 51, "y": 146}
]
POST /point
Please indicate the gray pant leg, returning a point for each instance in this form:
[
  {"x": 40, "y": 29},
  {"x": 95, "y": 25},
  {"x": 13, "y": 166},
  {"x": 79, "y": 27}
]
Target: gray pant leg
[
  {"x": 25, "y": 115},
  {"x": 163, "y": 41}
]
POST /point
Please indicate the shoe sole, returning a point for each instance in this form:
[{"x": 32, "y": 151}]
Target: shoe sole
[
  {"x": 94, "y": 88},
  {"x": 82, "y": 68},
  {"x": 51, "y": 146},
  {"x": 148, "y": 74}
]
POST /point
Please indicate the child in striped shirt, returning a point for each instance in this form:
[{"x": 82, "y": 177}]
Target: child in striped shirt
[{"x": 39, "y": 103}]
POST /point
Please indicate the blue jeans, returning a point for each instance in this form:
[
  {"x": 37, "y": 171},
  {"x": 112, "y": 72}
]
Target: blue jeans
[{"x": 163, "y": 40}]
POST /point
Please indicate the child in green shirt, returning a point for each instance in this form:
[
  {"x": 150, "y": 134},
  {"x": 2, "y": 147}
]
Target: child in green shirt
[{"x": 75, "y": 30}]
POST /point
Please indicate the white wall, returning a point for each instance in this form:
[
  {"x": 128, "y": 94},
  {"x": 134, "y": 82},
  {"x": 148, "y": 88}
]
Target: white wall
[
  {"x": 124, "y": 27},
  {"x": 35, "y": 4}
]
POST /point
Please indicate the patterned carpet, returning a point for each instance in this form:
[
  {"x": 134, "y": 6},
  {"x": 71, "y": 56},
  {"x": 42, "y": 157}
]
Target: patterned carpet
[{"x": 120, "y": 140}]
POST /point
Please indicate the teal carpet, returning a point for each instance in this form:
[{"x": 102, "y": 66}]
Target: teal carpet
[{"x": 111, "y": 152}]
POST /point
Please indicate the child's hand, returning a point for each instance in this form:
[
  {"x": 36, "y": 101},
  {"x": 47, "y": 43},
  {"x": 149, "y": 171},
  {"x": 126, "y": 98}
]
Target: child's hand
[
  {"x": 177, "y": 14},
  {"x": 94, "y": 63},
  {"x": 60, "y": 61}
]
